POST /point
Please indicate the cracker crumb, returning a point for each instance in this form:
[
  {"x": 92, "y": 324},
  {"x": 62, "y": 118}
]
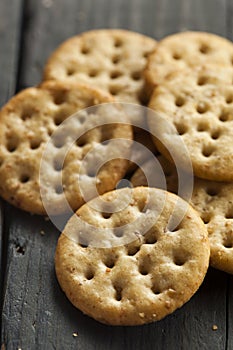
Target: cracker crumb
[
  {"x": 214, "y": 327},
  {"x": 108, "y": 269},
  {"x": 75, "y": 334},
  {"x": 46, "y": 218},
  {"x": 141, "y": 314},
  {"x": 42, "y": 233}
]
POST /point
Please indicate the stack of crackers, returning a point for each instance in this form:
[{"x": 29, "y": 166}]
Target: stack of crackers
[{"x": 132, "y": 255}]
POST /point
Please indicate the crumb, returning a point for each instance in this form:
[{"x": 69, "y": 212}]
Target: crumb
[
  {"x": 141, "y": 314},
  {"x": 108, "y": 269},
  {"x": 46, "y": 218},
  {"x": 42, "y": 233},
  {"x": 75, "y": 334},
  {"x": 214, "y": 327}
]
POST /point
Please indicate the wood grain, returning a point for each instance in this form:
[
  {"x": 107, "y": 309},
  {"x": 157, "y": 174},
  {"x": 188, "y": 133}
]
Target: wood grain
[
  {"x": 10, "y": 23},
  {"x": 36, "y": 313}
]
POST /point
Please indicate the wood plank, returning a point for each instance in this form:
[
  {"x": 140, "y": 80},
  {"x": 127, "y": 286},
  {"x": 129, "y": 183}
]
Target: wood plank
[
  {"x": 36, "y": 313},
  {"x": 10, "y": 18},
  {"x": 11, "y": 15},
  {"x": 230, "y": 314}
]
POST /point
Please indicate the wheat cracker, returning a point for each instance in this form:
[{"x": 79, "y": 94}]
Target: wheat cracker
[
  {"x": 110, "y": 59},
  {"x": 27, "y": 122},
  {"x": 141, "y": 281}
]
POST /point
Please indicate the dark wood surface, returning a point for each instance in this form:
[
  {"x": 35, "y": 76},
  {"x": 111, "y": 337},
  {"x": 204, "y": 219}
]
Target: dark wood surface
[{"x": 35, "y": 313}]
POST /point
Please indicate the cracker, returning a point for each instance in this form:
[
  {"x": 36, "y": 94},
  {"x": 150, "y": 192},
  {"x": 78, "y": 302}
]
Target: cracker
[
  {"x": 200, "y": 106},
  {"x": 27, "y": 122},
  {"x": 147, "y": 278},
  {"x": 186, "y": 50},
  {"x": 112, "y": 60},
  {"x": 213, "y": 201}
]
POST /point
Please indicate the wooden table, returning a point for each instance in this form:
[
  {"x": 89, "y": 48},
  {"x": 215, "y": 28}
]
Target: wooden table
[{"x": 35, "y": 313}]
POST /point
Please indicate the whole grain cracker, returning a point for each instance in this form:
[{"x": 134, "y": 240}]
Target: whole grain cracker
[
  {"x": 199, "y": 104},
  {"x": 186, "y": 50},
  {"x": 213, "y": 201},
  {"x": 27, "y": 122},
  {"x": 139, "y": 282},
  {"x": 112, "y": 60}
]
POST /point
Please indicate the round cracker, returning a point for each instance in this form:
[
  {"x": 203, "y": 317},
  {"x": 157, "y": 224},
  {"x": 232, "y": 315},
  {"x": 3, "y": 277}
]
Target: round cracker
[
  {"x": 199, "y": 105},
  {"x": 144, "y": 280},
  {"x": 212, "y": 200},
  {"x": 186, "y": 50},
  {"x": 112, "y": 60},
  {"x": 27, "y": 122}
]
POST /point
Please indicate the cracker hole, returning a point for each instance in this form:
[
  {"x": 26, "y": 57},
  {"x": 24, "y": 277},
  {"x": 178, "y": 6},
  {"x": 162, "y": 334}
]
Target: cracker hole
[
  {"x": 136, "y": 75},
  {"x": 229, "y": 99},
  {"x": 24, "y": 178},
  {"x": 93, "y": 73},
  {"x": 202, "y": 107},
  {"x": 180, "y": 101},
  {"x": 59, "y": 141},
  {"x": 59, "y": 97},
  {"x": 106, "y": 215},
  {"x": 35, "y": 144},
  {"x": 91, "y": 173},
  {"x": 229, "y": 214},
  {"x": 228, "y": 243},
  {"x": 141, "y": 206},
  {"x": 85, "y": 50},
  {"x": 70, "y": 71},
  {"x": 146, "y": 54},
  {"x": 115, "y": 74},
  {"x": 206, "y": 218},
  {"x": 224, "y": 116},
  {"x": 116, "y": 59},
  {"x": 207, "y": 151},
  {"x": 118, "y": 42},
  {"x": 132, "y": 250},
  {"x": 176, "y": 56},
  {"x": 114, "y": 90},
  {"x": 59, "y": 189},
  {"x": 180, "y": 257},
  {"x": 181, "y": 129},
  {"x": 204, "y": 49},
  {"x": 203, "y": 126},
  {"x": 155, "y": 289},
  {"x": 57, "y": 165},
  {"x": 81, "y": 142},
  {"x": 83, "y": 243},
  {"x": 59, "y": 118},
  {"x": 118, "y": 292},
  {"x": 89, "y": 275},
  {"x": 202, "y": 81},
  {"x": 151, "y": 239},
  {"x": 27, "y": 114},
  {"x": 143, "y": 269},
  {"x": 12, "y": 145},
  {"x": 110, "y": 262},
  {"x": 211, "y": 191},
  {"x": 118, "y": 232},
  {"x": 215, "y": 134}
]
